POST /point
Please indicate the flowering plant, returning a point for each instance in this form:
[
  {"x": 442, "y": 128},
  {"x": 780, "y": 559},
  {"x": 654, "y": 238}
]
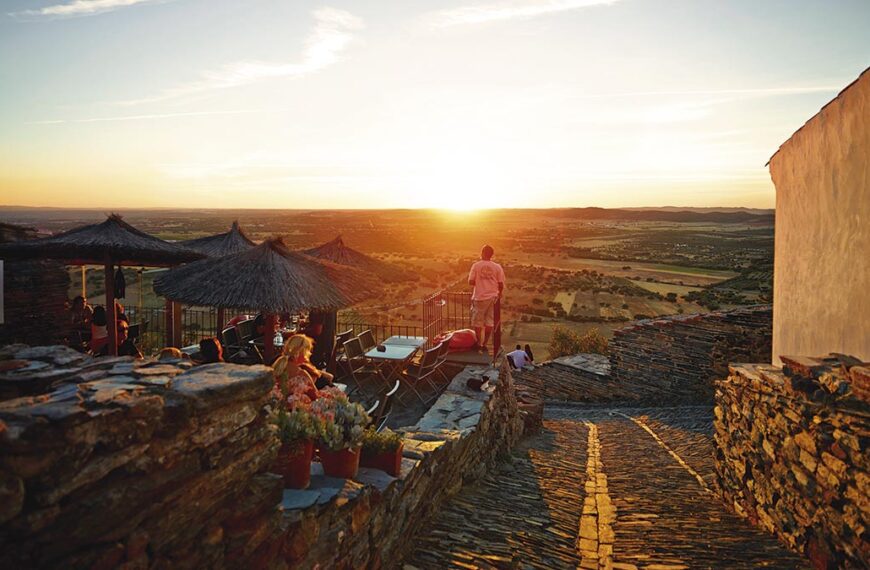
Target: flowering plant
[
  {"x": 343, "y": 422},
  {"x": 381, "y": 442},
  {"x": 296, "y": 425}
]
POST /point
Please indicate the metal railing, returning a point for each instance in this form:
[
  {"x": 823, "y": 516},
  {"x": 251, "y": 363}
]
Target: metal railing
[
  {"x": 451, "y": 310},
  {"x": 197, "y": 323},
  {"x": 381, "y": 331}
]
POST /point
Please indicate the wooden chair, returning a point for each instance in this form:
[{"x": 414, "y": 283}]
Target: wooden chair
[{"x": 247, "y": 330}]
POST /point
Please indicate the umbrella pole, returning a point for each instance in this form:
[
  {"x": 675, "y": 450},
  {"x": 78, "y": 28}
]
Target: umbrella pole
[
  {"x": 221, "y": 319},
  {"x": 111, "y": 317},
  {"x": 269, "y": 338}
]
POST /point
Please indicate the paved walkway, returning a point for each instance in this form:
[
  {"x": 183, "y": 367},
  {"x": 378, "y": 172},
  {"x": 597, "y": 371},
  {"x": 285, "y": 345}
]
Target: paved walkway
[{"x": 617, "y": 488}]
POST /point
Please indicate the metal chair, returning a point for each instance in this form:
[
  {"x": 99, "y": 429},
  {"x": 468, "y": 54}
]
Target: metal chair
[
  {"x": 443, "y": 351},
  {"x": 381, "y": 410},
  {"x": 358, "y": 364},
  {"x": 419, "y": 374},
  {"x": 339, "y": 357},
  {"x": 367, "y": 339},
  {"x": 247, "y": 330},
  {"x": 235, "y": 350}
]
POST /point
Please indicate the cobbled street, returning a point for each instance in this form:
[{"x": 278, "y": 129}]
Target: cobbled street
[{"x": 617, "y": 488}]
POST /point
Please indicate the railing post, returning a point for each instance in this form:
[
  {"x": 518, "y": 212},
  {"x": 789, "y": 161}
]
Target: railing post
[{"x": 496, "y": 333}]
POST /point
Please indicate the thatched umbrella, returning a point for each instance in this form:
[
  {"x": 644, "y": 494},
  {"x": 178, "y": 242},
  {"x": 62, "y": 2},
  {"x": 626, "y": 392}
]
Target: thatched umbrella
[
  {"x": 220, "y": 245},
  {"x": 337, "y": 252},
  {"x": 109, "y": 243},
  {"x": 268, "y": 278}
]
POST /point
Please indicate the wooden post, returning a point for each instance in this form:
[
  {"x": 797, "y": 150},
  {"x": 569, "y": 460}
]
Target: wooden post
[
  {"x": 167, "y": 314},
  {"x": 111, "y": 317},
  {"x": 84, "y": 282},
  {"x": 177, "y": 337},
  {"x": 271, "y": 322},
  {"x": 221, "y": 319}
]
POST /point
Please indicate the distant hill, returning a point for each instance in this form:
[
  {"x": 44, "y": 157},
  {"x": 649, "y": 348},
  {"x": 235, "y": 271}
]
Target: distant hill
[
  {"x": 666, "y": 215},
  {"x": 756, "y": 211}
]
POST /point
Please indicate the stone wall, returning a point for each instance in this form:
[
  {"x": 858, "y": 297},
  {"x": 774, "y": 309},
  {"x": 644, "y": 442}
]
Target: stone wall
[
  {"x": 135, "y": 462},
  {"x": 792, "y": 454},
  {"x": 822, "y": 178},
  {"x": 157, "y": 464},
  {"x": 677, "y": 359}
]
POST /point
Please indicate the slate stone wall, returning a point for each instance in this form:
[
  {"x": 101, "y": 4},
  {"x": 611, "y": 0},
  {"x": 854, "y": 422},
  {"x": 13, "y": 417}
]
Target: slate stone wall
[
  {"x": 792, "y": 454},
  {"x": 113, "y": 462},
  {"x": 678, "y": 358}
]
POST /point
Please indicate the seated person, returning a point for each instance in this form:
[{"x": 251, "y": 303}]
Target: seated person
[
  {"x": 126, "y": 346},
  {"x": 518, "y": 358},
  {"x": 80, "y": 313},
  {"x": 530, "y": 354},
  {"x": 298, "y": 349},
  {"x": 172, "y": 353},
  {"x": 120, "y": 314},
  {"x": 210, "y": 351},
  {"x": 99, "y": 332}
]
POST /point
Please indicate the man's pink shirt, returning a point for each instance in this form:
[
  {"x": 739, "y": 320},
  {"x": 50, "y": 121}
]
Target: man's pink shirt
[{"x": 486, "y": 276}]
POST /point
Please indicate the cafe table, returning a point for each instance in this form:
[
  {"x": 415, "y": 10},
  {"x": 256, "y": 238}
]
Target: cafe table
[
  {"x": 391, "y": 360},
  {"x": 398, "y": 340}
]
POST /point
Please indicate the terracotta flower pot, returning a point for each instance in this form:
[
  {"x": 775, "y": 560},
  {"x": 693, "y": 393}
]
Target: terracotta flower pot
[
  {"x": 343, "y": 463},
  {"x": 294, "y": 463},
  {"x": 388, "y": 461}
]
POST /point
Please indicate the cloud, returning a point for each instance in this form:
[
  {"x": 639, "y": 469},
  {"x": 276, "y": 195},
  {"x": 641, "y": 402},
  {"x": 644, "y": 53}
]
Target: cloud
[
  {"x": 80, "y": 8},
  {"x": 126, "y": 118},
  {"x": 332, "y": 33},
  {"x": 509, "y": 10}
]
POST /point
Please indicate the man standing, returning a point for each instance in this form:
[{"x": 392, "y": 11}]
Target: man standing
[{"x": 487, "y": 278}]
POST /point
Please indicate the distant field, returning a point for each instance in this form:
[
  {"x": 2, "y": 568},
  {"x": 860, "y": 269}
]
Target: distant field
[{"x": 665, "y": 288}]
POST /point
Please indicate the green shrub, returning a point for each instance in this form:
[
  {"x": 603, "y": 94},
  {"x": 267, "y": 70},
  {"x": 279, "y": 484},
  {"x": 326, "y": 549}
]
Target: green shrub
[{"x": 565, "y": 342}]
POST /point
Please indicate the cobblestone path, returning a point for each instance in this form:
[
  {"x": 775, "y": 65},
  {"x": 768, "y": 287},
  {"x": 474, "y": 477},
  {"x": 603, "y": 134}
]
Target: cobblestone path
[{"x": 617, "y": 488}]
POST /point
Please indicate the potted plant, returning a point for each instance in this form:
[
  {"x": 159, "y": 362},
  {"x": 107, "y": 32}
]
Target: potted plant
[
  {"x": 296, "y": 426},
  {"x": 382, "y": 450},
  {"x": 343, "y": 424},
  {"x": 297, "y": 430}
]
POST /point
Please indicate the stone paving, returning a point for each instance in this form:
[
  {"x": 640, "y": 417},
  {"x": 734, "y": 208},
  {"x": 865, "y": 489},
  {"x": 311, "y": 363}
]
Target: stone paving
[{"x": 617, "y": 488}]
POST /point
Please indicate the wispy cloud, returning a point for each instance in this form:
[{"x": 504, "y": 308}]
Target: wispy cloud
[
  {"x": 332, "y": 33},
  {"x": 79, "y": 8},
  {"x": 125, "y": 118},
  {"x": 482, "y": 13}
]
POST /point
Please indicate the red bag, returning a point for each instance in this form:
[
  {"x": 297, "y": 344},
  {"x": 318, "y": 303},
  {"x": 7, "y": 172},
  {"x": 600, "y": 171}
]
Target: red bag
[{"x": 459, "y": 340}]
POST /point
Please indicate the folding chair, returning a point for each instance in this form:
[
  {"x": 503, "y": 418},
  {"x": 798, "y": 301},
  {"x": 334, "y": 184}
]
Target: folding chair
[
  {"x": 419, "y": 374},
  {"x": 246, "y": 330},
  {"x": 367, "y": 339},
  {"x": 443, "y": 351},
  {"x": 358, "y": 364},
  {"x": 339, "y": 356},
  {"x": 235, "y": 350},
  {"x": 381, "y": 410}
]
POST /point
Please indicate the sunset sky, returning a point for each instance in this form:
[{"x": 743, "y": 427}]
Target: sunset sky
[{"x": 412, "y": 103}]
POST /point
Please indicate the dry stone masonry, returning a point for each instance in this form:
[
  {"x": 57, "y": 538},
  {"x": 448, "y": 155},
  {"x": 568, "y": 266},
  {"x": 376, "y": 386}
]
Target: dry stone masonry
[
  {"x": 151, "y": 464},
  {"x": 676, "y": 359},
  {"x": 792, "y": 454}
]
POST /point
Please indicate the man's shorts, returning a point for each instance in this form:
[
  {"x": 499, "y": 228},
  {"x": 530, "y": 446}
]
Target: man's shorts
[{"x": 482, "y": 312}]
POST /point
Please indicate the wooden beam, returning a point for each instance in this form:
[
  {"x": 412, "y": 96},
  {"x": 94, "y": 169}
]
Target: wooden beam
[
  {"x": 270, "y": 324},
  {"x": 177, "y": 337},
  {"x": 111, "y": 316},
  {"x": 221, "y": 319},
  {"x": 167, "y": 314}
]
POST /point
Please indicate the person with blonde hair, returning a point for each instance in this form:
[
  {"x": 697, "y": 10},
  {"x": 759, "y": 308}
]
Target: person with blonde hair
[{"x": 298, "y": 349}]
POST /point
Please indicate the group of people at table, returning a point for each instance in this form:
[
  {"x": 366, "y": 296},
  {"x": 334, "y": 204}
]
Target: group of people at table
[{"x": 90, "y": 329}]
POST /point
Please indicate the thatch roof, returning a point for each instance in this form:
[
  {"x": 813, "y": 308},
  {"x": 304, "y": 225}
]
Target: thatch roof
[
  {"x": 268, "y": 278},
  {"x": 112, "y": 241},
  {"x": 337, "y": 252},
  {"x": 220, "y": 245}
]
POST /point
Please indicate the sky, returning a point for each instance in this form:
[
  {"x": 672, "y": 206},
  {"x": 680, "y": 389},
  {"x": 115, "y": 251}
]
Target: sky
[{"x": 412, "y": 103}]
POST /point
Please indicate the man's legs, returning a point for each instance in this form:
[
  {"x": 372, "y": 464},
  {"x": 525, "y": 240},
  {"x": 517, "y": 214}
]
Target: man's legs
[{"x": 487, "y": 334}]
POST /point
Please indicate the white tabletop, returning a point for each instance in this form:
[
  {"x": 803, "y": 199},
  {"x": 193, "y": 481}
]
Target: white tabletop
[
  {"x": 397, "y": 340},
  {"x": 392, "y": 352}
]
